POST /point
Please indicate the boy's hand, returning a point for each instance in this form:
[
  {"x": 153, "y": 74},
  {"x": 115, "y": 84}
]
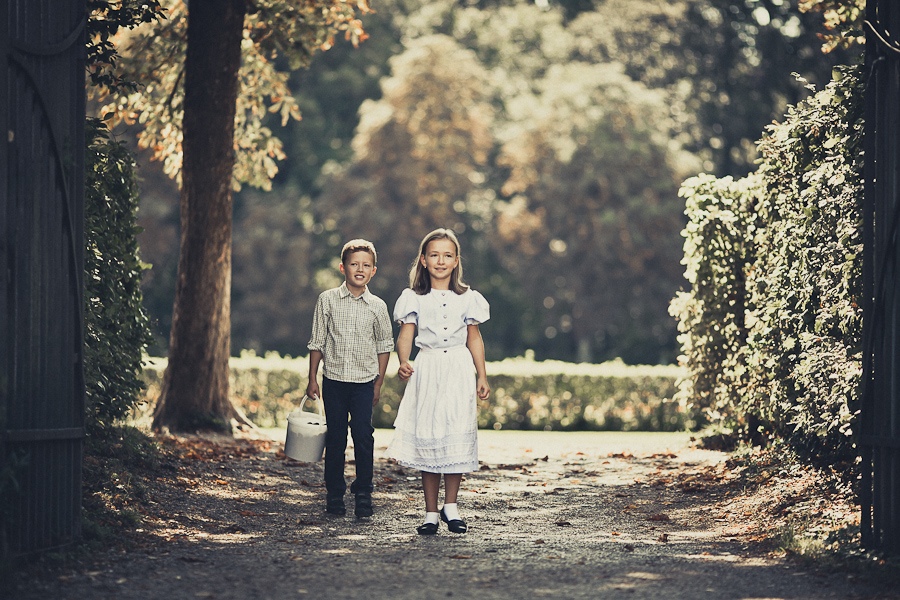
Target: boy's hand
[
  {"x": 405, "y": 371},
  {"x": 312, "y": 390},
  {"x": 377, "y": 395},
  {"x": 482, "y": 388}
]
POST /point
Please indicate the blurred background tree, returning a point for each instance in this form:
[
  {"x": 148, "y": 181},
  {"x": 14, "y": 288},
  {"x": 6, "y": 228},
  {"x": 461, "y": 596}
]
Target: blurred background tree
[{"x": 553, "y": 135}]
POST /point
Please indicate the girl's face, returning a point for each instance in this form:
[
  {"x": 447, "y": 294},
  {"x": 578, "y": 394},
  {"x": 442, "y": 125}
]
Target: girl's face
[{"x": 439, "y": 259}]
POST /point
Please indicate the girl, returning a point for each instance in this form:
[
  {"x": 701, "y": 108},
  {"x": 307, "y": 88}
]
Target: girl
[{"x": 436, "y": 430}]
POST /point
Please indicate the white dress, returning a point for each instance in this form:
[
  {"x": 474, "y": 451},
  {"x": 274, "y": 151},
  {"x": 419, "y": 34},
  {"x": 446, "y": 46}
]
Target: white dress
[{"x": 436, "y": 428}]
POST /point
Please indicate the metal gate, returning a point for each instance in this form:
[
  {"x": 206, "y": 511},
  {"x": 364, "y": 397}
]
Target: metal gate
[
  {"x": 41, "y": 273},
  {"x": 880, "y": 409}
]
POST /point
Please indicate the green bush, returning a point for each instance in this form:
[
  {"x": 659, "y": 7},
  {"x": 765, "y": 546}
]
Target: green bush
[
  {"x": 719, "y": 255},
  {"x": 805, "y": 340},
  {"x": 115, "y": 324},
  {"x": 526, "y": 394},
  {"x": 771, "y": 326}
]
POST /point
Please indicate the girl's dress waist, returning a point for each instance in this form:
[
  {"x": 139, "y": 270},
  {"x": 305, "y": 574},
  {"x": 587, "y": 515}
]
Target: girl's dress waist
[{"x": 451, "y": 349}]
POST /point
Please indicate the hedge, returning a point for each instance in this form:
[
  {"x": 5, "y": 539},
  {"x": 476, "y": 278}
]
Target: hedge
[
  {"x": 771, "y": 327},
  {"x": 115, "y": 323},
  {"x": 526, "y": 394}
]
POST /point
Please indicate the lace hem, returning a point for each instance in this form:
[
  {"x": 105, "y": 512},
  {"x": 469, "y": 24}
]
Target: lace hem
[{"x": 457, "y": 453}]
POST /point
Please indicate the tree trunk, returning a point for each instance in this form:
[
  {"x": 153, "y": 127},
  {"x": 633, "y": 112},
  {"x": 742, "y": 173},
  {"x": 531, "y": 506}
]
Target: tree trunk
[{"x": 195, "y": 393}]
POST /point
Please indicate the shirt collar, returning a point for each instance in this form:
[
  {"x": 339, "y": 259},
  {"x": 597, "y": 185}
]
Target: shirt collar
[{"x": 345, "y": 291}]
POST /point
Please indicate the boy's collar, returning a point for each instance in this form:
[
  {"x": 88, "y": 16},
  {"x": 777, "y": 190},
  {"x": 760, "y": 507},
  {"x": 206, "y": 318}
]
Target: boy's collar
[{"x": 345, "y": 291}]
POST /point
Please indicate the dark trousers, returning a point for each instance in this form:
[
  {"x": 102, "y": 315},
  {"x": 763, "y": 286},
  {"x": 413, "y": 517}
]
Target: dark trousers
[{"x": 351, "y": 401}]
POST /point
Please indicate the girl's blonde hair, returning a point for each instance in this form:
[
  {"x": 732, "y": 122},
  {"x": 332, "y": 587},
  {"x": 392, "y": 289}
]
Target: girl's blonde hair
[{"x": 420, "y": 280}]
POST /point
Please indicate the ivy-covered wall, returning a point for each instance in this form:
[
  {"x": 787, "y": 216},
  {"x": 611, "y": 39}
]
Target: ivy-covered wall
[{"x": 771, "y": 325}]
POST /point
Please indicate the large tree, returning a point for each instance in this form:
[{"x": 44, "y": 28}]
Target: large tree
[{"x": 204, "y": 116}]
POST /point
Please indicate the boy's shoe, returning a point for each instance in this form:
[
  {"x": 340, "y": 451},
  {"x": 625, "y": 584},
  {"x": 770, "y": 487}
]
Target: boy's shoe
[
  {"x": 363, "y": 505},
  {"x": 335, "y": 505}
]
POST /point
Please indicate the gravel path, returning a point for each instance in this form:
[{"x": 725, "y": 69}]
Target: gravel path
[{"x": 556, "y": 515}]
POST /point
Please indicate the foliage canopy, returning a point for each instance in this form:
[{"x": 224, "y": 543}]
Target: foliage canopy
[{"x": 276, "y": 32}]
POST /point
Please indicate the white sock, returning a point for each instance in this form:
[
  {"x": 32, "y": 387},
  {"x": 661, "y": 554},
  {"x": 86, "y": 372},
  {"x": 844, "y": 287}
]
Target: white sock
[
  {"x": 432, "y": 517},
  {"x": 451, "y": 512}
]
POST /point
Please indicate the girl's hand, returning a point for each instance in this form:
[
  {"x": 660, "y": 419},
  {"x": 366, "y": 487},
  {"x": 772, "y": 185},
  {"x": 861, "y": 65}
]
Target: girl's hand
[
  {"x": 482, "y": 388},
  {"x": 405, "y": 371}
]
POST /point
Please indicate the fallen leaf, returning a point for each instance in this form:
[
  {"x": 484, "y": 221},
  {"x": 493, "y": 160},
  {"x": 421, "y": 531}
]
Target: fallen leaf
[
  {"x": 629, "y": 547},
  {"x": 563, "y": 523},
  {"x": 658, "y": 517},
  {"x": 191, "y": 559},
  {"x": 221, "y": 482},
  {"x": 664, "y": 455},
  {"x": 461, "y": 556},
  {"x": 664, "y": 538}
]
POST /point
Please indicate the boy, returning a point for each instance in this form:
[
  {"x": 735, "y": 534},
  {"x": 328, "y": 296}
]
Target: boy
[{"x": 352, "y": 337}]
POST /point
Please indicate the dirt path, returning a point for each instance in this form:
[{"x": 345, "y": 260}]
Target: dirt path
[{"x": 591, "y": 515}]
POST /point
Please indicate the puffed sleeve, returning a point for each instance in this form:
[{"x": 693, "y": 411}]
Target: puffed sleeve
[
  {"x": 407, "y": 308},
  {"x": 477, "y": 310}
]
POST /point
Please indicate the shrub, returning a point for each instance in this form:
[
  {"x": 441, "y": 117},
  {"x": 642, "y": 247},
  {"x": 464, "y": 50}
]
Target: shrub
[
  {"x": 527, "y": 394},
  {"x": 805, "y": 339},
  {"x": 771, "y": 327},
  {"x": 115, "y": 324},
  {"x": 719, "y": 255}
]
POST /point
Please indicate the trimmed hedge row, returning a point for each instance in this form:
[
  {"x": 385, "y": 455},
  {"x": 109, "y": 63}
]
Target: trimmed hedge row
[
  {"x": 771, "y": 327},
  {"x": 526, "y": 394}
]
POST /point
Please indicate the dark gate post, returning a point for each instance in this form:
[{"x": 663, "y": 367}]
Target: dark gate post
[
  {"x": 880, "y": 398},
  {"x": 42, "y": 116}
]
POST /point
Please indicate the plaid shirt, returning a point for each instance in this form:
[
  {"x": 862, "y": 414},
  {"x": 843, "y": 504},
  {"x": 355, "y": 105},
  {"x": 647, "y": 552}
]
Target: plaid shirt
[{"x": 351, "y": 332}]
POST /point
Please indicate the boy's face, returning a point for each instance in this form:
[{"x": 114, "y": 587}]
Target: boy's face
[{"x": 358, "y": 269}]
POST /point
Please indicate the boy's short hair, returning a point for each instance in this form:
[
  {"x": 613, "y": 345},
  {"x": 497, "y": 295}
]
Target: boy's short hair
[{"x": 359, "y": 245}]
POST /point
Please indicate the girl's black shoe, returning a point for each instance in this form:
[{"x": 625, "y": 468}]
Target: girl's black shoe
[
  {"x": 454, "y": 525},
  {"x": 427, "y": 529}
]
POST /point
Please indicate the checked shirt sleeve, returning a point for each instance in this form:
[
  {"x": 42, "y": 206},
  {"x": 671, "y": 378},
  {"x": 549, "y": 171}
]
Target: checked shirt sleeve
[
  {"x": 384, "y": 334},
  {"x": 319, "y": 327}
]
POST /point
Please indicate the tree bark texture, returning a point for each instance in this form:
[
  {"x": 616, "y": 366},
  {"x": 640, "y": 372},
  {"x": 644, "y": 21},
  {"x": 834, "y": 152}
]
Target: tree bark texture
[{"x": 195, "y": 391}]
